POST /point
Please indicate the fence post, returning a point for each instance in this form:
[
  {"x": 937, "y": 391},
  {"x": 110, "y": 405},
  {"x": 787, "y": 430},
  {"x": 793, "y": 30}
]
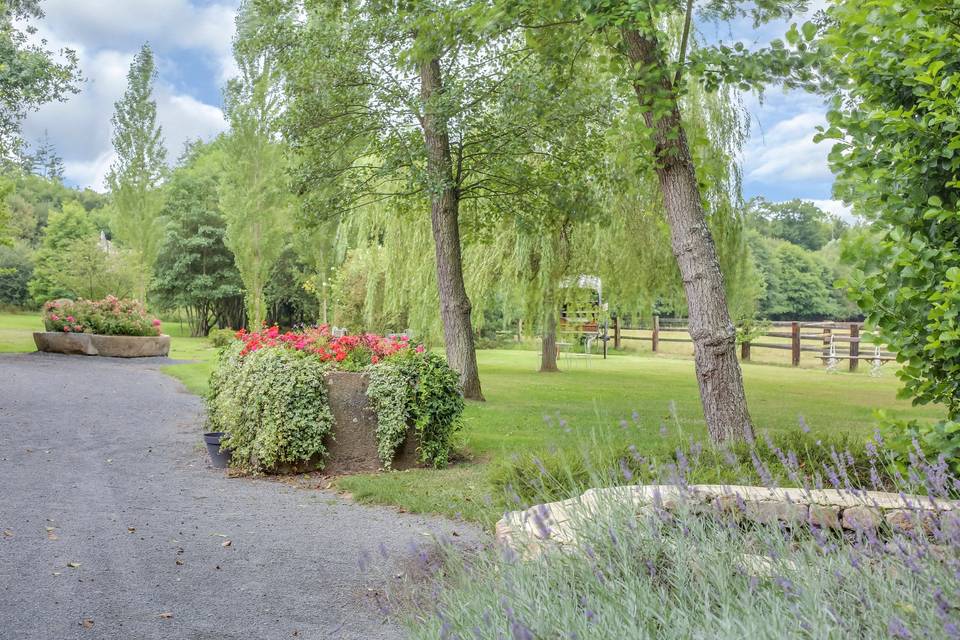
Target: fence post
[
  {"x": 854, "y": 350},
  {"x": 520, "y": 330},
  {"x": 616, "y": 332},
  {"x": 745, "y": 351},
  {"x": 795, "y": 343},
  {"x": 655, "y": 339},
  {"x": 826, "y": 343}
]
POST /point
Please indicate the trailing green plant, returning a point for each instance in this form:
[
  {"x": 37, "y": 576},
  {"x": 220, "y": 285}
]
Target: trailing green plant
[
  {"x": 273, "y": 403},
  {"x": 418, "y": 389}
]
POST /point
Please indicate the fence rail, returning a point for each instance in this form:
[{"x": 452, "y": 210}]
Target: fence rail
[{"x": 836, "y": 340}]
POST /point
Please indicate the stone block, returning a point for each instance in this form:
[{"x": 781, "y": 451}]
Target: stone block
[
  {"x": 861, "y": 518},
  {"x": 824, "y": 516}
]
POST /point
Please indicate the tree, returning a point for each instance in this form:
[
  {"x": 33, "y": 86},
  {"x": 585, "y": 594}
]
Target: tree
[
  {"x": 135, "y": 176},
  {"x": 44, "y": 160},
  {"x": 30, "y": 74},
  {"x": 641, "y": 40},
  {"x": 254, "y": 196},
  {"x": 16, "y": 269},
  {"x": 195, "y": 270},
  {"x": 797, "y": 221},
  {"x": 63, "y": 230},
  {"x": 798, "y": 283},
  {"x": 895, "y": 121},
  {"x": 401, "y": 116}
]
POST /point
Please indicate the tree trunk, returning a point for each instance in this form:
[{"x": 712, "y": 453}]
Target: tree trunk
[
  {"x": 444, "y": 214},
  {"x": 548, "y": 355},
  {"x": 714, "y": 337}
]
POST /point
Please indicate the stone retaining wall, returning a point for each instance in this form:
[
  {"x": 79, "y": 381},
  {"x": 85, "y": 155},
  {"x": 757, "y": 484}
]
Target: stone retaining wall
[
  {"x": 90, "y": 344},
  {"x": 555, "y": 524}
]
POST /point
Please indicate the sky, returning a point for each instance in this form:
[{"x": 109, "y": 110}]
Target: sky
[{"x": 191, "y": 41}]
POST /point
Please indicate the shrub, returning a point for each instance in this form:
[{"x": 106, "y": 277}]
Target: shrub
[
  {"x": 273, "y": 403},
  {"x": 109, "y": 317},
  {"x": 784, "y": 459},
  {"x": 220, "y": 338},
  {"x": 688, "y": 572},
  {"x": 408, "y": 388}
]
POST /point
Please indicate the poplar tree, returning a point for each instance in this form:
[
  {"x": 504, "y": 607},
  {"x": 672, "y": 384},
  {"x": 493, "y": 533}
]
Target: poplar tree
[
  {"x": 254, "y": 195},
  {"x": 135, "y": 176}
]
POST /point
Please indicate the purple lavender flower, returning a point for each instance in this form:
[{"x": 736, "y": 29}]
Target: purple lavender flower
[{"x": 897, "y": 629}]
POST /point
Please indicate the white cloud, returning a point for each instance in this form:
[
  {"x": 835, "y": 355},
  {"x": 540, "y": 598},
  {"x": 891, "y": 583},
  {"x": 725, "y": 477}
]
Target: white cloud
[
  {"x": 126, "y": 24},
  {"x": 837, "y": 208},
  {"x": 106, "y": 34},
  {"x": 787, "y": 152}
]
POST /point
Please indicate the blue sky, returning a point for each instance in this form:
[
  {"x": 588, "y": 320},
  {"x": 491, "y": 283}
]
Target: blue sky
[{"x": 191, "y": 39}]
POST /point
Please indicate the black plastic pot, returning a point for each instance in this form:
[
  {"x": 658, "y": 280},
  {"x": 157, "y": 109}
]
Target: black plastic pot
[{"x": 213, "y": 441}]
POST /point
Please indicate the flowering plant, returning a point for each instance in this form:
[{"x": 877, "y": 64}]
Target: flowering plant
[
  {"x": 111, "y": 316},
  {"x": 350, "y": 352}
]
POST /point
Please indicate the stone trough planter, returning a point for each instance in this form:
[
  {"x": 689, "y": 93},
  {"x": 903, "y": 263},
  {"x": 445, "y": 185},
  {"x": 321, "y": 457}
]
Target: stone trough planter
[
  {"x": 89, "y": 344},
  {"x": 352, "y": 444}
]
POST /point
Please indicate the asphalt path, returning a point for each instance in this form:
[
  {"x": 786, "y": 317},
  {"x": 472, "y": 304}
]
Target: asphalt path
[{"x": 113, "y": 524}]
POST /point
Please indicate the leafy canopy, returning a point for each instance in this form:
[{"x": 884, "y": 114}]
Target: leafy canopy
[{"x": 897, "y": 127}]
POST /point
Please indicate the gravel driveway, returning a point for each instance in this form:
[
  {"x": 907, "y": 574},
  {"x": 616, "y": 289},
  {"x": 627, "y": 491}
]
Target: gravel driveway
[{"x": 112, "y": 524}]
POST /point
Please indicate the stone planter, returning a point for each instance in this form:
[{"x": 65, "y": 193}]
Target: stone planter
[
  {"x": 353, "y": 447},
  {"x": 89, "y": 344}
]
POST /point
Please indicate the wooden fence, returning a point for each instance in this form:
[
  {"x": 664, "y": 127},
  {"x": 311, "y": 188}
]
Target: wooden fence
[{"x": 835, "y": 341}]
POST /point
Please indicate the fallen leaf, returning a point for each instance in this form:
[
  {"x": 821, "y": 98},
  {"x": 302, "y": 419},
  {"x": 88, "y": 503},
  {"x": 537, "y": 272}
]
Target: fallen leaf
[
  {"x": 73, "y": 565},
  {"x": 226, "y": 543},
  {"x": 86, "y": 623},
  {"x": 166, "y": 615},
  {"x": 52, "y": 536},
  {"x": 56, "y": 573},
  {"x": 179, "y": 561},
  {"x": 7, "y": 533},
  {"x": 131, "y": 529}
]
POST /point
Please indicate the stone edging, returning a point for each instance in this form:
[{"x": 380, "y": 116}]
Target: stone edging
[
  {"x": 553, "y": 524},
  {"x": 90, "y": 344}
]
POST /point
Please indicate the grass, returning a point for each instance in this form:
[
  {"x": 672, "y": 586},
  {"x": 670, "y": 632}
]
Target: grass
[
  {"x": 16, "y": 331},
  {"x": 590, "y": 398}
]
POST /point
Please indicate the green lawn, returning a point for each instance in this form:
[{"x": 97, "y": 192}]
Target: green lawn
[
  {"x": 16, "y": 331},
  {"x": 592, "y": 398}
]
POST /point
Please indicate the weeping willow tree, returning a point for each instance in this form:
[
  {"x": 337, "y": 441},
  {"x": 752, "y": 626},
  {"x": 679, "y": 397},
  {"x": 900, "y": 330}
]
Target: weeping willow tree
[{"x": 589, "y": 208}]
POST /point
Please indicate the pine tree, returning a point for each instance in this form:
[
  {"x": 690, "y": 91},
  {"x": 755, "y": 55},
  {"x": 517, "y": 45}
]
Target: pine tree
[
  {"x": 44, "y": 161},
  {"x": 136, "y": 174}
]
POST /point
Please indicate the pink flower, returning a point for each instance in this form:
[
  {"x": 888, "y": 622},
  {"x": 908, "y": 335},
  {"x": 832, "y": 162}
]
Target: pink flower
[
  {"x": 70, "y": 318},
  {"x": 156, "y": 322},
  {"x": 54, "y": 317},
  {"x": 66, "y": 328},
  {"x": 419, "y": 348}
]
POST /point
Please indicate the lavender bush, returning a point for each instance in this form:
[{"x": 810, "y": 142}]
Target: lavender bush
[{"x": 695, "y": 573}]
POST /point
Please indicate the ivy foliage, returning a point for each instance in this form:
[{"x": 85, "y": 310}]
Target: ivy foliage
[
  {"x": 418, "y": 390},
  {"x": 897, "y": 127},
  {"x": 273, "y": 403}
]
